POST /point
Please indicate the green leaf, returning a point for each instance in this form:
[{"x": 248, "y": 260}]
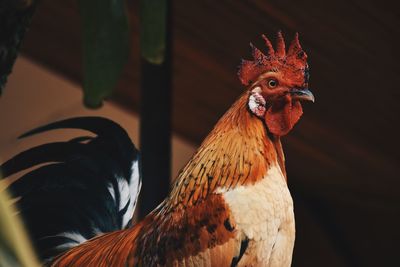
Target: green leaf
[
  {"x": 153, "y": 30},
  {"x": 105, "y": 47},
  {"x": 15, "y": 248}
]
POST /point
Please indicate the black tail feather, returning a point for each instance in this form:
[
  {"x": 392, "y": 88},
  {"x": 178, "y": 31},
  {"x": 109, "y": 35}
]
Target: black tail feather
[
  {"x": 98, "y": 125},
  {"x": 103, "y": 127},
  {"x": 55, "y": 152},
  {"x": 86, "y": 186}
]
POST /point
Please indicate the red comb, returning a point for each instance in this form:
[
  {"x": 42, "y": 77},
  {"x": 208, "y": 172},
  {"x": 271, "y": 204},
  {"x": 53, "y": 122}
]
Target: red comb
[{"x": 295, "y": 58}]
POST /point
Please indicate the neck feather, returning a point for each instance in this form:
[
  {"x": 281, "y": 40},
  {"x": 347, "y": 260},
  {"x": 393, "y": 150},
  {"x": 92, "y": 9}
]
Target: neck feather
[{"x": 238, "y": 151}]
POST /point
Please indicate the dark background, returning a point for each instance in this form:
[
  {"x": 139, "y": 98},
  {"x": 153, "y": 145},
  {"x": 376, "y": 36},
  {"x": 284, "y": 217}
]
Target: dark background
[{"x": 342, "y": 158}]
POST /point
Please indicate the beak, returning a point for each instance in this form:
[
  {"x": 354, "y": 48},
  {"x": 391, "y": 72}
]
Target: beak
[{"x": 302, "y": 94}]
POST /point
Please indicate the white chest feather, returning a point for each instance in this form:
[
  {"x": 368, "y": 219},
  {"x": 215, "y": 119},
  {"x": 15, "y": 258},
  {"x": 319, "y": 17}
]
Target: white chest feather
[{"x": 263, "y": 213}]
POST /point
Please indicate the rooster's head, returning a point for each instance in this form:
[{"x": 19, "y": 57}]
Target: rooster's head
[{"x": 277, "y": 82}]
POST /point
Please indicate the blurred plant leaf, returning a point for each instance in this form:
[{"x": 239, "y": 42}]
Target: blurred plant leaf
[
  {"x": 105, "y": 47},
  {"x": 15, "y": 18},
  {"x": 153, "y": 30},
  {"x": 15, "y": 248}
]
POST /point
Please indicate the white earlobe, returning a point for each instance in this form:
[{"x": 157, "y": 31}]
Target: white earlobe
[{"x": 257, "y": 102}]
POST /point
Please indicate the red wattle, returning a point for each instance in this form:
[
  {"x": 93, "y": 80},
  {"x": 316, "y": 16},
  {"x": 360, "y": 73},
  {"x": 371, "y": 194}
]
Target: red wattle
[{"x": 282, "y": 116}]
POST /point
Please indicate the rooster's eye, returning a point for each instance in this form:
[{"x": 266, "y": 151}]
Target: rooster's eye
[{"x": 272, "y": 83}]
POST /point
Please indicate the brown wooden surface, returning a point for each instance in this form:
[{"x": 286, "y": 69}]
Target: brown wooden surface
[{"x": 342, "y": 158}]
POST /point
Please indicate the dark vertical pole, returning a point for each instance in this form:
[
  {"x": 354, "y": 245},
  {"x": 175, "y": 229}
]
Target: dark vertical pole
[{"x": 155, "y": 120}]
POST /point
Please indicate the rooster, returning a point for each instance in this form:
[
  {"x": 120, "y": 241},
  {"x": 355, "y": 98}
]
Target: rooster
[{"x": 230, "y": 205}]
